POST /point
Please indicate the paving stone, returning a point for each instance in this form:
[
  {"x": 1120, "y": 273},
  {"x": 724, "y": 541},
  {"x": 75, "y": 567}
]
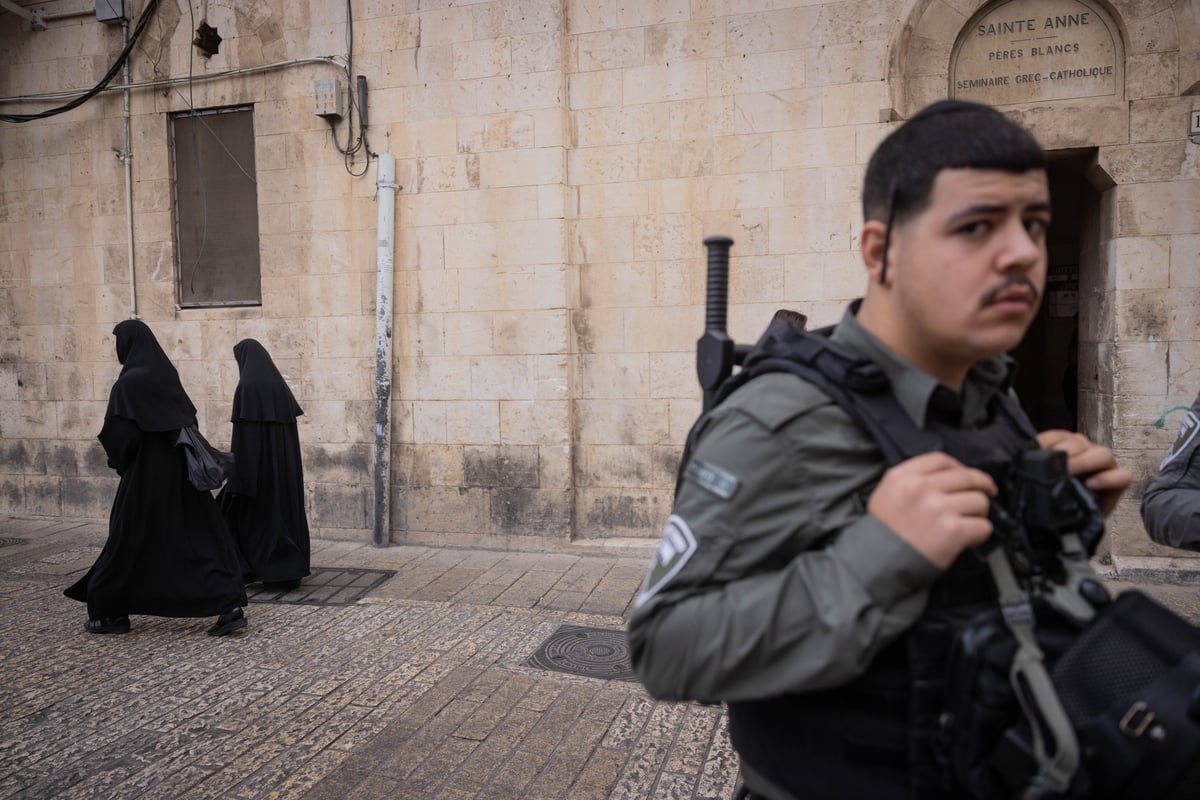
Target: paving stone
[
  {"x": 693, "y": 740},
  {"x": 434, "y": 770},
  {"x": 629, "y": 723},
  {"x": 515, "y": 775},
  {"x": 600, "y": 773},
  {"x": 418, "y": 690},
  {"x": 642, "y": 770}
]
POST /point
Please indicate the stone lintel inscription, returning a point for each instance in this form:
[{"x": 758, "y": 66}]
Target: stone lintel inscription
[{"x": 1028, "y": 51}]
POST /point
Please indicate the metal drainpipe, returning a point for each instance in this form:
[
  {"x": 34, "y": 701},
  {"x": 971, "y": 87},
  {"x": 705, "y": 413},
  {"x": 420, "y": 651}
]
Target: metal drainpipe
[
  {"x": 126, "y": 157},
  {"x": 384, "y": 262}
]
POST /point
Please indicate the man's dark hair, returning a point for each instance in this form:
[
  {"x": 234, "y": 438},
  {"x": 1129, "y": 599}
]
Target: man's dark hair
[{"x": 948, "y": 134}]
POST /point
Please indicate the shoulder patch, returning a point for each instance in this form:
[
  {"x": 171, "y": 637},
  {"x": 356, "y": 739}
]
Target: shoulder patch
[
  {"x": 677, "y": 545},
  {"x": 712, "y": 478},
  {"x": 1187, "y": 433}
]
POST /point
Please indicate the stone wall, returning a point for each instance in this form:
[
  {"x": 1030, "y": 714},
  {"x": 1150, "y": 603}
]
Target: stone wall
[{"x": 560, "y": 163}]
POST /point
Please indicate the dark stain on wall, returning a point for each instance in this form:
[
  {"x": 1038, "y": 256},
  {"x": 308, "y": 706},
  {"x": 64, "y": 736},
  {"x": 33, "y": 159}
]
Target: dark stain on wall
[
  {"x": 12, "y": 495},
  {"x": 627, "y": 512},
  {"x": 665, "y": 460},
  {"x": 397, "y": 512},
  {"x": 43, "y": 496},
  {"x": 1146, "y": 318},
  {"x": 64, "y": 458},
  {"x": 340, "y": 506},
  {"x": 532, "y": 512},
  {"x": 319, "y": 460},
  {"x": 511, "y": 466},
  {"x": 88, "y": 497},
  {"x": 16, "y": 456},
  {"x": 583, "y": 331}
]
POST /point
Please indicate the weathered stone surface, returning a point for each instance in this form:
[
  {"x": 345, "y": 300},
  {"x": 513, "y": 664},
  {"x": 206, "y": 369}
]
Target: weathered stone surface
[{"x": 558, "y": 167}]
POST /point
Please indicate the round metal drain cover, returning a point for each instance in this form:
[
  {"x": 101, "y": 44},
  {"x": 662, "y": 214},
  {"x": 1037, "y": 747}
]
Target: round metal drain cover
[{"x": 593, "y": 652}]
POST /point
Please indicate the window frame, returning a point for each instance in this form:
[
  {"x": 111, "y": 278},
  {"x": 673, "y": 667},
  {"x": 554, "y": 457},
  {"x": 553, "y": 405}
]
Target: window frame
[{"x": 232, "y": 224}]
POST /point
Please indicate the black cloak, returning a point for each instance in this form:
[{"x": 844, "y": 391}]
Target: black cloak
[
  {"x": 263, "y": 503},
  {"x": 168, "y": 551}
]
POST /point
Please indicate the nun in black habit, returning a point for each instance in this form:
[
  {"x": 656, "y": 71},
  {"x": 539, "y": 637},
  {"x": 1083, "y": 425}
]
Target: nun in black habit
[
  {"x": 168, "y": 552},
  {"x": 263, "y": 502}
]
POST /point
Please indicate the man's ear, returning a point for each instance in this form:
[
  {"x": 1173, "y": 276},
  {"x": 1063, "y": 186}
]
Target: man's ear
[{"x": 871, "y": 243}]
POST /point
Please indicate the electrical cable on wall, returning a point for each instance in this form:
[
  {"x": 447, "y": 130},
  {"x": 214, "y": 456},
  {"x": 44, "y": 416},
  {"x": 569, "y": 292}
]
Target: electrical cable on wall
[
  {"x": 360, "y": 144},
  {"x": 151, "y": 5},
  {"x": 356, "y": 101},
  {"x": 196, "y": 157},
  {"x": 168, "y": 82}
]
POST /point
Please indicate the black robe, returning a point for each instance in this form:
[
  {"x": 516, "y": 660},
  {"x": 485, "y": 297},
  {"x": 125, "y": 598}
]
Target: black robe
[
  {"x": 168, "y": 551},
  {"x": 263, "y": 503}
]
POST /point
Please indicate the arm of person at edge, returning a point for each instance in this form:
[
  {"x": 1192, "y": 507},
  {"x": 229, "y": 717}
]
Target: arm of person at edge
[
  {"x": 121, "y": 439},
  {"x": 1171, "y": 503},
  {"x": 801, "y": 577},
  {"x": 1094, "y": 464}
]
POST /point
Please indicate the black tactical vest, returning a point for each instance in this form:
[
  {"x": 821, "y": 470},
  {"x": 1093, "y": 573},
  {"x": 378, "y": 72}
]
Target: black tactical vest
[{"x": 875, "y": 737}]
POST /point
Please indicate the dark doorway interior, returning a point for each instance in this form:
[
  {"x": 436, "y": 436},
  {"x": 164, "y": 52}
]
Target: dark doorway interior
[{"x": 1047, "y": 378}]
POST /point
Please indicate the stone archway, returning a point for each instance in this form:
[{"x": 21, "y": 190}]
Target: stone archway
[{"x": 924, "y": 52}]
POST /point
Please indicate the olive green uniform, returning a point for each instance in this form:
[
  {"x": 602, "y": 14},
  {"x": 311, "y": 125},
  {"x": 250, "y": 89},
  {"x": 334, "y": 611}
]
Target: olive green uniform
[
  {"x": 771, "y": 578},
  {"x": 1171, "y": 504}
]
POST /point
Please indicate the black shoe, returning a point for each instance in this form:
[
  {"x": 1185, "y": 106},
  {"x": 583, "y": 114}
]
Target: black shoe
[
  {"x": 227, "y": 623},
  {"x": 107, "y": 625}
]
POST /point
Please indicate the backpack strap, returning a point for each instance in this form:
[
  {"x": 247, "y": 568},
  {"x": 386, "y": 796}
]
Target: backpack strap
[
  {"x": 858, "y": 386},
  {"x": 1031, "y": 683}
]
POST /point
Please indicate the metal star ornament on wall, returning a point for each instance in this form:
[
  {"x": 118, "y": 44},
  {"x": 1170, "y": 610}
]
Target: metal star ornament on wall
[{"x": 207, "y": 40}]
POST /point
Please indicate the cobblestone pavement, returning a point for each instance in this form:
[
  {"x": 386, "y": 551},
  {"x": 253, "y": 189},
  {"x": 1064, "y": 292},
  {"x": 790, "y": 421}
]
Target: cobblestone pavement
[{"x": 418, "y": 690}]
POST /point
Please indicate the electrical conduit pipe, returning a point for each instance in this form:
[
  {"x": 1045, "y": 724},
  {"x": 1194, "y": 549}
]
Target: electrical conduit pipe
[{"x": 386, "y": 187}]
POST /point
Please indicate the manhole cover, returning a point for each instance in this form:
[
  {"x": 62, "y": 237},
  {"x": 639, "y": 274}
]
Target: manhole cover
[
  {"x": 5, "y": 541},
  {"x": 324, "y": 587},
  {"x": 594, "y": 652}
]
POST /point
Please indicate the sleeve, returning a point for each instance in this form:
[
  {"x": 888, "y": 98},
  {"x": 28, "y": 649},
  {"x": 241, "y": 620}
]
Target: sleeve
[
  {"x": 786, "y": 584},
  {"x": 1171, "y": 503},
  {"x": 121, "y": 439}
]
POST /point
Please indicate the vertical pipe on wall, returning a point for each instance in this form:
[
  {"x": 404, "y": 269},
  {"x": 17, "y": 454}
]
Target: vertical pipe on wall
[
  {"x": 126, "y": 157},
  {"x": 384, "y": 262}
]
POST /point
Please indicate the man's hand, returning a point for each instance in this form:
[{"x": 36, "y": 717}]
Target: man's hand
[
  {"x": 1094, "y": 463},
  {"x": 935, "y": 504}
]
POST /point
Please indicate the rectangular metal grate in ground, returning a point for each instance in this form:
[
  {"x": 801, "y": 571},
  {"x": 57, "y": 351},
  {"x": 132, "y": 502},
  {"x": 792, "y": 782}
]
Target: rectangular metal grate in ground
[
  {"x": 5, "y": 541},
  {"x": 326, "y": 586},
  {"x": 592, "y": 652}
]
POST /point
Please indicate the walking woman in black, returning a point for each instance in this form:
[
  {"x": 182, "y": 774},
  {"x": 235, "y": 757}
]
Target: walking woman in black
[
  {"x": 168, "y": 552},
  {"x": 263, "y": 502}
]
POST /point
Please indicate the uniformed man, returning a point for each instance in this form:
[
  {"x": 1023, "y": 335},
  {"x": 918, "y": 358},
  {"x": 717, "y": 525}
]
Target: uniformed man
[
  {"x": 1171, "y": 504},
  {"x": 795, "y": 565}
]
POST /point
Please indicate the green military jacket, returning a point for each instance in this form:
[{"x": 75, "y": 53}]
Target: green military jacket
[{"x": 771, "y": 577}]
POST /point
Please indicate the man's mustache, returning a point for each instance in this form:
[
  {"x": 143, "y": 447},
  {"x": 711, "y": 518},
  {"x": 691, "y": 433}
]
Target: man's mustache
[{"x": 990, "y": 295}]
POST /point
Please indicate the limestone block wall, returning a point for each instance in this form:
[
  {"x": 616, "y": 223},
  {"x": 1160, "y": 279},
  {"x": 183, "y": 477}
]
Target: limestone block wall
[
  {"x": 1147, "y": 356},
  {"x": 689, "y": 120},
  {"x": 560, "y": 163}
]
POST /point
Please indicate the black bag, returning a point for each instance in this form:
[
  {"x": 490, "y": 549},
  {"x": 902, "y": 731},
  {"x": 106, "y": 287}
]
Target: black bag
[
  {"x": 1129, "y": 682},
  {"x": 208, "y": 467}
]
